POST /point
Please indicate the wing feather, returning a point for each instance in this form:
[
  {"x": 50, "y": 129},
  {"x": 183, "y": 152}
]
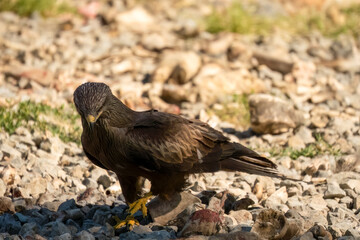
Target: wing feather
[{"x": 173, "y": 140}]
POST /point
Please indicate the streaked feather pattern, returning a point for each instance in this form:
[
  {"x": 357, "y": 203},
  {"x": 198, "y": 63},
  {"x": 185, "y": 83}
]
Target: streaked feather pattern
[{"x": 159, "y": 146}]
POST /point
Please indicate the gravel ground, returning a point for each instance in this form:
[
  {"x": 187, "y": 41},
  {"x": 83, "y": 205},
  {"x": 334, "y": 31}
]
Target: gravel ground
[{"x": 304, "y": 104}]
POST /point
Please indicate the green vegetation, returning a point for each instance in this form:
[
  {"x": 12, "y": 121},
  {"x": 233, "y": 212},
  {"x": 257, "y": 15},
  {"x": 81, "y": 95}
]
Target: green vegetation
[
  {"x": 237, "y": 19},
  {"x": 44, "y": 7},
  {"x": 240, "y": 20},
  {"x": 234, "y": 110},
  {"x": 38, "y": 116},
  {"x": 319, "y": 147}
]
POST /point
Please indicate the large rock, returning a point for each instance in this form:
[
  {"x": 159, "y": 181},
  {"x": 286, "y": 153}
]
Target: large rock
[
  {"x": 205, "y": 222},
  {"x": 215, "y": 83},
  {"x": 177, "y": 67},
  {"x": 272, "y": 115},
  {"x": 173, "y": 209},
  {"x": 278, "y": 197},
  {"x": 275, "y": 63},
  {"x": 334, "y": 191},
  {"x": 272, "y": 224},
  {"x": 137, "y": 20}
]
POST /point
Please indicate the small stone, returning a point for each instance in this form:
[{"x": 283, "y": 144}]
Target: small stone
[
  {"x": 188, "y": 28},
  {"x": 104, "y": 180},
  {"x": 305, "y": 134},
  {"x": 274, "y": 62},
  {"x": 264, "y": 187},
  {"x": 317, "y": 202},
  {"x": 342, "y": 125},
  {"x": 52, "y": 206},
  {"x": 65, "y": 236},
  {"x": 236, "y": 235},
  {"x": 122, "y": 67},
  {"x": 137, "y": 20},
  {"x": 90, "y": 183},
  {"x": 307, "y": 236},
  {"x": 319, "y": 121},
  {"x": 78, "y": 185},
  {"x": 296, "y": 142},
  {"x": 6, "y": 205},
  {"x": 347, "y": 200},
  {"x": 356, "y": 204},
  {"x": 242, "y": 216},
  {"x": 346, "y": 163},
  {"x": 272, "y": 115},
  {"x": 8, "y": 175},
  {"x": 280, "y": 196},
  {"x": 334, "y": 191},
  {"x": 353, "y": 233},
  {"x": 53, "y": 229},
  {"x": 36, "y": 186},
  {"x": 177, "y": 67},
  {"x": 84, "y": 235},
  {"x": 69, "y": 204},
  {"x": 54, "y": 146},
  {"x": 140, "y": 229},
  {"x": 29, "y": 229},
  {"x": 243, "y": 203},
  {"x": 343, "y": 145},
  {"x": 230, "y": 221},
  {"x": 205, "y": 222},
  {"x": 97, "y": 172},
  {"x": 272, "y": 224},
  {"x": 9, "y": 151},
  {"x": 320, "y": 231},
  {"x": 74, "y": 214},
  {"x": 20, "y": 204},
  {"x": 9, "y": 224},
  {"x": 213, "y": 84},
  {"x": 155, "y": 42},
  {"x": 218, "y": 45},
  {"x": 160, "y": 235},
  {"x": 2, "y": 188}
]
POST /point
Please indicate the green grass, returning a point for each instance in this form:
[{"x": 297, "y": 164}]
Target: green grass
[
  {"x": 239, "y": 20},
  {"x": 63, "y": 122},
  {"x": 235, "y": 110},
  {"x": 45, "y": 7},
  {"x": 318, "y": 148}
]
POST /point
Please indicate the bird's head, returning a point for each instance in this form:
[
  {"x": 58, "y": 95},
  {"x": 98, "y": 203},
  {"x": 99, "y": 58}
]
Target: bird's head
[{"x": 91, "y": 101}]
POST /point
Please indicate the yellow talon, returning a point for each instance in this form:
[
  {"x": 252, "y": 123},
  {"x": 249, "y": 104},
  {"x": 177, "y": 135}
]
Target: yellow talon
[
  {"x": 140, "y": 204},
  {"x": 129, "y": 221}
]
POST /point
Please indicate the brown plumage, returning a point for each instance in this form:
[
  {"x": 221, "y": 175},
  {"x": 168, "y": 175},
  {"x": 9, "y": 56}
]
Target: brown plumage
[{"x": 161, "y": 147}]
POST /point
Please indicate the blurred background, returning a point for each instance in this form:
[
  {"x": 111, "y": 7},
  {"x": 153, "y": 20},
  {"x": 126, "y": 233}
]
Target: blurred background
[{"x": 199, "y": 58}]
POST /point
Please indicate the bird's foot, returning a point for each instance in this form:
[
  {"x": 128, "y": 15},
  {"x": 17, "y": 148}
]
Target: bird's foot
[
  {"x": 129, "y": 222},
  {"x": 140, "y": 204}
]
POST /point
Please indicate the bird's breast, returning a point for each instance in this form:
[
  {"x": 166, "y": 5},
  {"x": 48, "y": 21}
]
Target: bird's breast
[{"x": 103, "y": 147}]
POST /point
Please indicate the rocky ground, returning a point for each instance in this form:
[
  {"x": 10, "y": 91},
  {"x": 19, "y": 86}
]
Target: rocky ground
[{"x": 295, "y": 99}]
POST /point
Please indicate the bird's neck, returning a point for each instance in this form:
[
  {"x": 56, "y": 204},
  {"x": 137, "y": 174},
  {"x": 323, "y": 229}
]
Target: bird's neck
[{"x": 121, "y": 114}]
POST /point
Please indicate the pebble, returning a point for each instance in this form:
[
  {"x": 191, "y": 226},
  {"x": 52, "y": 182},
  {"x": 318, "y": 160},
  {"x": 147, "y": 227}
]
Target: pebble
[
  {"x": 281, "y": 118},
  {"x": 334, "y": 191}
]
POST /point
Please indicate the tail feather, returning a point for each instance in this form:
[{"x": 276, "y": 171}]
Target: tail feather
[
  {"x": 254, "y": 165},
  {"x": 260, "y": 166}
]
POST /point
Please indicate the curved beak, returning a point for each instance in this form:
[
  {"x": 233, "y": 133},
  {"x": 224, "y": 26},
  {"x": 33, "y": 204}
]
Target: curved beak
[{"x": 91, "y": 119}]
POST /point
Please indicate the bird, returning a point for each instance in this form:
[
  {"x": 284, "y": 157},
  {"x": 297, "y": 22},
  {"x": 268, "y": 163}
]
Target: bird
[{"x": 161, "y": 147}]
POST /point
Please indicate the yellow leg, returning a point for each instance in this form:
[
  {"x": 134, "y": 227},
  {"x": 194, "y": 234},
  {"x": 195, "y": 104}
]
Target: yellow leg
[
  {"x": 130, "y": 220},
  {"x": 140, "y": 204}
]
